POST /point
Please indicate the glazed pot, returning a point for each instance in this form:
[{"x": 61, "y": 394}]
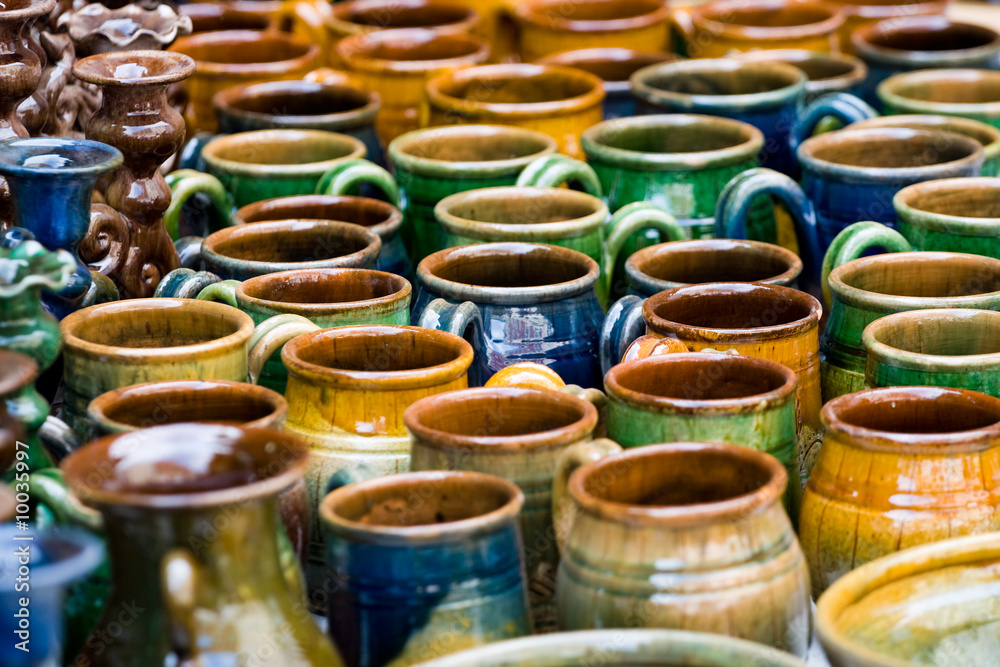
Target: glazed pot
[
  {"x": 858, "y": 506},
  {"x": 721, "y": 27},
  {"x": 863, "y": 290},
  {"x": 825, "y": 72},
  {"x": 551, "y": 26},
  {"x": 301, "y": 105},
  {"x": 214, "y": 17},
  {"x": 970, "y": 93},
  {"x": 669, "y": 265},
  {"x": 565, "y": 218},
  {"x": 560, "y": 101},
  {"x": 516, "y": 302},
  {"x": 854, "y": 617},
  {"x": 513, "y": 433},
  {"x": 939, "y": 348},
  {"x": 398, "y": 64},
  {"x": 858, "y": 13},
  {"x": 952, "y": 215},
  {"x": 659, "y": 541},
  {"x": 16, "y": 383},
  {"x": 423, "y": 568},
  {"x": 912, "y": 43},
  {"x": 163, "y": 493},
  {"x": 614, "y": 66},
  {"x": 231, "y": 57},
  {"x": 98, "y": 29}
]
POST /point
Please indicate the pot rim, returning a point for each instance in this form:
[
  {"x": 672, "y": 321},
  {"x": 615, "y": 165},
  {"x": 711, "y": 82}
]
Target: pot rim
[
  {"x": 878, "y": 9},
  {"x": 528, "y": 12},
  {"x": 341, "y": 12},
  {"x": 897, "y": 356},
  {"x": 940, "y": 123},
  {"x": 392, "y": 223},
  {"x": 273, "y": 67},
  {"x": 89, "y": 69},
  {"x": 827, "y": 26},
  {"x": 223, "y": 101},
  {"x": 401, "y": 158},
  {"x": 861, "y": 40},
  {"x": 355, "y": 149},
  {"x": 353, "y": 51},
  {"x": 888, "y": 92},
  {"x": 944, "y": 222},
  {"x": 853, "y": 77},
  {"x": 312, "y": 309},
  {"x": 607, "y": 54}
]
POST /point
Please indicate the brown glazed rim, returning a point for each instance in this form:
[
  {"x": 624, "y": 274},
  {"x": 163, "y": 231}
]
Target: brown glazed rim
[
  {"x": 727, "y": 336},
  {"x": 681, "y": 515},
  {"x": 92, "y": 69},
  {"x": 355, "y": 147},
  {"x": 400, "y": 150},
  {"x": 529, "y": 12},
  {"x": 225, "y": 99},
  {"x": 750, "y": 404},
  {"x": 579, "y": 58},
  {"x": 98, "y": 407},
  {"x": 91, "y": 459},
  {"x": 634, "y": 264},
  {"x": 355, "y": 48},
  {"x": 221, "y": 37},
  {"x": 411, "y": 483},
  {"x": 955, "y": 442},
  {"x": 18, "y": 370},
  {"x": 248, "y": 214},
  {"x": 877, "y": 9},
  {"x": 701, "y": 18},
  {"x": 341, "y": 14},
  {"x": 415, "y": 378},
  {"x": 403, "y": 290},
  {"x": 511, "y": 444},
  {"x": 861, "y": 39},
  {"x": 181, "y": 353},
  {"x": 896, "y": 356},
  {"x": 485, "y": 73}
]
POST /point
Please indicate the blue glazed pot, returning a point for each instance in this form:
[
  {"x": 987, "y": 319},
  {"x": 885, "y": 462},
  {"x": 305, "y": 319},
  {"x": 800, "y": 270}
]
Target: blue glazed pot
[
  {"x": 424, "y": 564},
  {"x": 516, "y": 302}
]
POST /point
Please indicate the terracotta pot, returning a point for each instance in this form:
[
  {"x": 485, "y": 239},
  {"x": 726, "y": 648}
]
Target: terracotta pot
[
  {"x": 825, "y": 72},
  {"x": 888, "y": 452}
]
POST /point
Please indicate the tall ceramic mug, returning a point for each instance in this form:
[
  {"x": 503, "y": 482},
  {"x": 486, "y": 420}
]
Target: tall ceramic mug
[
  {"x": 951, "y": 215},
  {"x": 886, "y": 453},
  {"x": 516, "y": 302},
  {"x": 948, "y": 347},
  {"x": 689, "y": 535},
  {"x": 970, "y": 93}
]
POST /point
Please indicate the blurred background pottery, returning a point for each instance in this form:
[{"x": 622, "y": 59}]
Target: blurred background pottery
[
  {"x": 215, "y": 17},
  {"x": 858, "y": 13},
  {"x": 970, "y": 93},
  {"x": 97, "y": 29},
  {"x": 825, "y": 72}
]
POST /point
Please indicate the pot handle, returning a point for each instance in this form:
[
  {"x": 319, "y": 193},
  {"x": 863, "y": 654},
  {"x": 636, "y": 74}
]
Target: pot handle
[
  {"x": 185, "y": 283},
  {"x": 844, "y": 107},
  {"x": 551, "y": 171},
  {"x": 221, "y": 292},
  {"x": 622, "y": 325},
  {"x": 530, "y": 375},
  {"x": 344, "y": 178},
  {"x": 189, "y": 252},
  {"x": 734, "y": 203},
  {"x": 627, "y": 221},
  {"x": 563, "y": 508},
  {"x": 308, "y": 22},
  {"x": 455, "y": 318},
  {"x": 270, "y": 336},
  {"x": 853, "y": 241},
  {"x": 57, "y": 438},
  {"x": 49, "y": 488},
  {"x": 185, "y": 184}
]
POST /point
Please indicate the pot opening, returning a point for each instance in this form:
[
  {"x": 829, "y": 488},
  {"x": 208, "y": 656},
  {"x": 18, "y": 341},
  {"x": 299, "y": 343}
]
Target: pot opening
[
  {"x": 246, "y": 51},
  {"x": 932, "y": 36},
  {"x": 946, "y": 90},
  {"x": 535, "y": 88},
  {"x": 299, "y": 99},
  {"x": 277, "y": 148},
  {"x": 379, "y": 350},
  {"x": 693, "y": 265},
  {"x": 892, "y": 152},
  {"x": 533, "y": 268},
  {"x": 358, "y": 211},
  {"x": 500, "y": 415},
  {"x": 389, "y": 16},
  {"x": 529, "y": 207},
  {"x": 702, "y": 379},
  {"x": 733, "y": 310},
  {"x": 216, "y": 405},
  {"x": 374, "y": 46},
  {"x": 320, "y": 287},
  {"x": 772, "y": 15},
  {"x": 958, "y": 200},
  {"x": 597, "y": 10},
  {"x": 157, "y": 327},
  {"x": 312, "y": 243},
  {"x": 738, "y": 81},
  {"x": 920, "y": 413},
  {"x": 936, "y": 278},
  {"x": 944, "y": 336},
  {"x": 674, "y": 137},
  {"x": 459, "y": 146}
]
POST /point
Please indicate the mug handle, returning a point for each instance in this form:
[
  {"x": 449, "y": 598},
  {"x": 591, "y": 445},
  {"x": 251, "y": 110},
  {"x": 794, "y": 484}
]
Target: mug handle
[
  {"x": 653, "y": 346},
  {"x": 270, "y": 336},
  {"x": 734, "y": 204},
  {"x": 57, "y": 438},
  {"x": 529, "y": 375},
  {"x": 622, "y": 325},
  {"x": 185, "y": 283},
  {"x": 455, "y": 318},
  {"x": 844, "y": 107},
  {"x": 186, "y": 183},
  {"x": 48, "y": 487},
  {"x": 853, "y": 241},
  {"x": 551, "y": 171},
  {"x": 345, "y": 177},
  {"x": 627, "y": 221},
  {"x": 189, "y": 158},
  {"x": 572, "y": 458},
  {"x": 189, "y": 252},
  {"x": 220, "y": 292}
]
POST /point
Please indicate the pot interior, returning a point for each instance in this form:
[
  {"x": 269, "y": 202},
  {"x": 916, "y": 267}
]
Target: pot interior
[
  {"x": 217, "y": 404},
  {"x": 931, "y": 277},
  {"x": 533, "y": 268},
  {"x": 320, "y": 287},
  {"x": 379, "y": 350},
  {"x": 920, "y": 412},
  {"x": 694, "y": 264},
  {"x": 700, "y": 380},
  {"x": 733, "y": 310},
  {"x": 309, "y": 243}
]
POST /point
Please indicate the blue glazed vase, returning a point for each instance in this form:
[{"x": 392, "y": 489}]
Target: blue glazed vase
[
  {"x": 416, "y": 580},
  {"x": 515, "y": 302}
]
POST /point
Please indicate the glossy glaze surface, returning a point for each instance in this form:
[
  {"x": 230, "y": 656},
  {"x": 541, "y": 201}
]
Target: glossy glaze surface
[
  {"x": 951, "y": 215},
  {"x": 722, "y": 27},
  {"x": 825, "y": 72},
  {"x": 859, "y": 13}
]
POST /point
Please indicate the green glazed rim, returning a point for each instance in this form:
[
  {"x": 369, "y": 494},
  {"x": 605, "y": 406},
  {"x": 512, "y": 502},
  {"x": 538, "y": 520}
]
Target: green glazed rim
[
  {"x": 243, "y": 142},
  {"x": 960, "y": 225},
  {"x": 898, "y": 357},
  {"x": 401, "y": 151},
  {"x": 985, "y": 134},
  {"x": 890, "y": 92}
]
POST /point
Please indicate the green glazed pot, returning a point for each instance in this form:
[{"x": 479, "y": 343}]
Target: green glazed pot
[
  {"x": 952, "y": 215},
  {"x": 954, "y": 347},
  {"x": 970, "y": 93}
]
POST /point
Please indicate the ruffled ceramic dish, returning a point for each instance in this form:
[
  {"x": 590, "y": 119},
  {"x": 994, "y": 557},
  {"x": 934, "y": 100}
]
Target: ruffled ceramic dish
[{"x": 97, "y": 29}]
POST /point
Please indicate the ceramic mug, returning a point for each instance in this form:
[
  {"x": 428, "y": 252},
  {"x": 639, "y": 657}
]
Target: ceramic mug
[
  {"x": 425, "y": 564},
  {"x": 825, "y": 72},
  {"x": 952, "y": 215},
  {"x": 560, "y": 101},
  {"x": 660, "y": 539},
  {"x": 212, "y": 17},
  {"x": 858, "y": 13},
  {"x": 863, "y": 290},
  {"x": 614, "y": 66},
  {"x": 970, "y": 93},
  {"x": 556, "y": 216},
  {"x": 954, "y": 347},
  {"x": 516, "y": 302},
  {"x": 858, "y": 506},
  {"x": 669, "y": 265},
  {"x": 551, "y": 26}
]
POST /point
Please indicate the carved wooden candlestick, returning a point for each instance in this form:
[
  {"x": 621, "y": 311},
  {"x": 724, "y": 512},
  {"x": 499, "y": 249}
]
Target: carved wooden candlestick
[{"x": 127, "y": 241}]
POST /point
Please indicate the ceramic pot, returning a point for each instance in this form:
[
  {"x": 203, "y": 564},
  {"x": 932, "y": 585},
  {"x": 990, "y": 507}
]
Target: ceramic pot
[
  {"x": 231, "y": 57},
  {"x": 326, "y": 297},
  {"x": 216, "y": 17},
  {"x": 970, "y": 93},
  {"x": 987, "y": 135},
  {"x": 952, "y": 215},
  {"x": 825, "y": 72},
  {"x": 863, "y": 290},
  {"x": 565, "y": 218},
  {"x": 347, "y": 390},
  {"x": 380, "y": 217},
  {"x": 172, "y": 561},
  {"x": 721, "y": 27},
  {"x": 559, "y": 101},
  {"x": 646, "y": 548},
  {"x": 912, "y": 43},
  {"x": 853, "y": 618},
  {"x": 398, "y": 65},
  {"x": 858, "y": 506},
  {"x": 614, "y": 66},
  {"x": 97, "y": 29},
  {"x": 669, "y": 265},
  {"x": 301, "y": 105},
  {"x": 450, "y": 560},
  {"x": 549, "y": 26},
  {"x": 516, "y": 302},
  {"x": 25, "y": 71},
  {"x": 858, "y": 13},
  {"x": 434, "y": 163},
  {"x": 517, "y": 434}
]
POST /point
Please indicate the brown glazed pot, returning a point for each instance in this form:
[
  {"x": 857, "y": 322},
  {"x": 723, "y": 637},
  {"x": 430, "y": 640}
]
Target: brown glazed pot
[
  {"x": 859, "y": 13},
  {"x": 215, "y": 17},
  {"x": 356, "y": 17}
]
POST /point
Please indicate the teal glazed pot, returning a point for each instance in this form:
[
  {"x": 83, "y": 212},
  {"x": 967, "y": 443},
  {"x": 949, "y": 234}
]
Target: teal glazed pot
[
  {"x": 956, "y": 347},
  {"x": 951, "y": 215},
  {"x": 516, "y": 302},
  {"x": 424, "y": 564}
]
